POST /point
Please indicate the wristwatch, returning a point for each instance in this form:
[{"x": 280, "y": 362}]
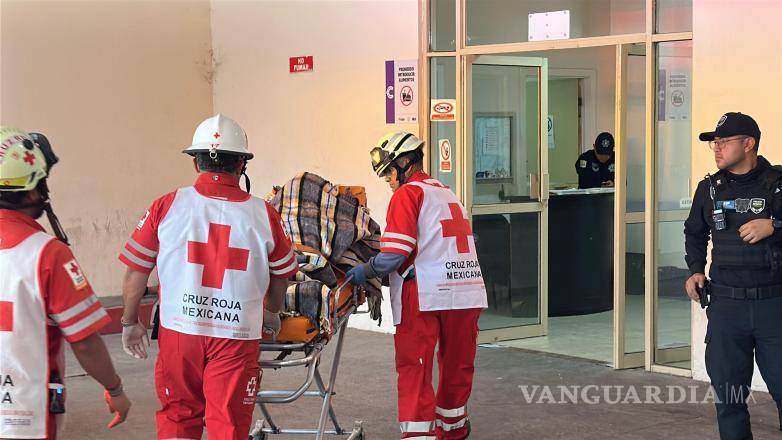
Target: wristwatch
[{"x": 777, "y": 223}]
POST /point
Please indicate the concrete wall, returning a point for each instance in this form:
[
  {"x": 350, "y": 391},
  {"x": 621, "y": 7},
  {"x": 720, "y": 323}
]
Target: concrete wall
[
  {"x": 118, "y": 87},
  {"x": 323, "y": 121},
  {"x": 734, "y": 71}
]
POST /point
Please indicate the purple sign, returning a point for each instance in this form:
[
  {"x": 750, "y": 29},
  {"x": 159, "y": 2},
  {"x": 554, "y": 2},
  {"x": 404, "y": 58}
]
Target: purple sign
[{"x": 390, "y": 93}]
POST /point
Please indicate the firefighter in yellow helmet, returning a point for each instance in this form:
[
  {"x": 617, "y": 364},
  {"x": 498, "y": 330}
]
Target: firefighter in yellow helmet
[{"x": 44, "y": 298}]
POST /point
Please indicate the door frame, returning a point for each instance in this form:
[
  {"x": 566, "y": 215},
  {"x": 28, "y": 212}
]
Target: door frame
[
  {"x": 622, "y": 359},
  {"x": 541, "y": 184},
  {"x": 462, "y": 50}
]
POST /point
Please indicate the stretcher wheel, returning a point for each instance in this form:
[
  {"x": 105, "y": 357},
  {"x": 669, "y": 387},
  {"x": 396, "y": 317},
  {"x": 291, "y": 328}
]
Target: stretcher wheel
[
  {"x": 257, "y": 431},
  {"x": 260, "y": 436},
  {"x": 358, "y": 430}
]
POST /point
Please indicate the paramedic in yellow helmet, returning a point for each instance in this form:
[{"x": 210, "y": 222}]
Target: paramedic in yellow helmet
[
  {"x": 437, "y": 290},
  {"x": 44, "y": 298}
]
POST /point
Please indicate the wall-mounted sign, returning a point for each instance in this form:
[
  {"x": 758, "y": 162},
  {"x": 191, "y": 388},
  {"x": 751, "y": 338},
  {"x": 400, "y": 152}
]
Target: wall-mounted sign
[
  {"x": 492, "y": 146},
  {"x": 401, "y": 91},
  {"x": 446, "y": 155},
  {"x": 673, "y": 95},
  {"x": 443, "y": 110},
  {"x": 301, "y": 64},
  {"x": 553, "y": 25}
]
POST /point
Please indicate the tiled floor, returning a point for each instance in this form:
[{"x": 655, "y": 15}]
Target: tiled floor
[{"x": 591, "y": 336}]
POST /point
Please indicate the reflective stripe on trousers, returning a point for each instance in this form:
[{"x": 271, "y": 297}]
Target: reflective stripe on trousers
[
  {"x": 456, "y": 412},
  {"x": 452, "y": 426},
  {"x": 417, "y": 426}
]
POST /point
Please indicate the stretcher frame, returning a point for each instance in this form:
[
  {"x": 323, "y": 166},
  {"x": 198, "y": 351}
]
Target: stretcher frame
[{"x": 308, "y": 355}]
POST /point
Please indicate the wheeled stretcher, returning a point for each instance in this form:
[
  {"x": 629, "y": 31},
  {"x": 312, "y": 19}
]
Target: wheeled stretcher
[
  {"x": 320, "y": 302},
  {"x": 297, "y": 349}
]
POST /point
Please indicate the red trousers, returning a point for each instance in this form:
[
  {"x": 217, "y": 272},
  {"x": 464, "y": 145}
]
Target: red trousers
[
  {"x": 422, "y": 415},
  {"x": 201, "y": 379}
]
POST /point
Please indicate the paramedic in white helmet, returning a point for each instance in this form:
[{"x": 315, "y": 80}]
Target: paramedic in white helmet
[
  {"x": 218, "y": 251},
  {"x": 437, "y": 291},
  {"x": 44, "y": 298}
]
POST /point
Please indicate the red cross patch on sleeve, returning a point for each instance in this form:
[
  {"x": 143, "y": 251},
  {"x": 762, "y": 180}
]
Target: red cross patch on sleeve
[
  {"x": 6, "y": 316},
  {"x": 77, "y": 276}
]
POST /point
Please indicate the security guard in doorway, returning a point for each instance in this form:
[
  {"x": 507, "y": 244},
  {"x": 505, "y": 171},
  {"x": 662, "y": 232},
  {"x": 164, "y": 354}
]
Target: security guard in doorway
[
  {"x": 595, "y": 168},
  {"x": 740, "y": 206}
]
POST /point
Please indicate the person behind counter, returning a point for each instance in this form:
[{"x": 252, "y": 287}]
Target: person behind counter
[{"x": 595, "y": 168}]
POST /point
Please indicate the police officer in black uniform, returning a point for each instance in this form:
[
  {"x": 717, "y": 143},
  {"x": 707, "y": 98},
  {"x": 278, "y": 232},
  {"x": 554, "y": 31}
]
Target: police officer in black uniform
[
  {"x": 739, "y": 207},
  {"x": 595, "y": 168}
]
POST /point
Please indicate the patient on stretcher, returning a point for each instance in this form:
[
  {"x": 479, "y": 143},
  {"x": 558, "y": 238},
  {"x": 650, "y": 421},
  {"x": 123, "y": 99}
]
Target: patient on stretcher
[{"x": 332, "y": 232}]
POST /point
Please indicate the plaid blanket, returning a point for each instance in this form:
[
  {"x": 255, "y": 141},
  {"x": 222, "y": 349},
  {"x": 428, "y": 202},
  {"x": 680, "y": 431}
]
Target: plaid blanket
[
  {"x": 336, "y": 227},
  {"x": 311, "y": 299}
]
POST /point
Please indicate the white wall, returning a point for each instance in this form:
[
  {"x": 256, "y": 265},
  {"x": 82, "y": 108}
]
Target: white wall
[
  {"x": 324, "y": 121},
  {"x": 750, "y": 85},
  {"x": 118, "y": 88}
]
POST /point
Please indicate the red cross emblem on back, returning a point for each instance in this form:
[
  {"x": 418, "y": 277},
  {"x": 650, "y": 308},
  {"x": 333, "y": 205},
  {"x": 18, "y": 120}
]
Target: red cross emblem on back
[
  {"x": 217, "y": 256},
  {"x": 216, "y": 135},
  {"x": 29, "y": 158},
  {"x": 457, "y": 226}
]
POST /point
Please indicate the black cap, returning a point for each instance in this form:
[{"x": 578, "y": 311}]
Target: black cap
[
  {"x": 604, "y": 144},
  {"x": 733, "y": 124}
]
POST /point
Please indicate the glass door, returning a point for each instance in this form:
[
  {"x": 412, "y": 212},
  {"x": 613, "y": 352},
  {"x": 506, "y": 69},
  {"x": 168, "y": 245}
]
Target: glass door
[
  {"x": 629, "y": 253},
  {"x": 506, "y": 189},
  {"x": 673, "y": 140}
]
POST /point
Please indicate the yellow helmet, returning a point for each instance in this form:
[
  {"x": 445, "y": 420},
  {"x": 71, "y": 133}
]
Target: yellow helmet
[
  {"x": 390, "y": 147},
  {"x": 23, "y": 163}
]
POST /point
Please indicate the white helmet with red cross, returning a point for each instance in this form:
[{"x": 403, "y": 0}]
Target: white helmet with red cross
[{"x": 219, "y": 134}]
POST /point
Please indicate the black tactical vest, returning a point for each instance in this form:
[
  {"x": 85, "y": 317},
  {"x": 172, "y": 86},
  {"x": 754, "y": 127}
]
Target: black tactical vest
[{"x": 742, "y": 202}]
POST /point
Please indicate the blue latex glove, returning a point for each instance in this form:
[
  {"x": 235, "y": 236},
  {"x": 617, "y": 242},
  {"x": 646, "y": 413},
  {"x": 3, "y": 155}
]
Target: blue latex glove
[{"x": 359, "y": 275}]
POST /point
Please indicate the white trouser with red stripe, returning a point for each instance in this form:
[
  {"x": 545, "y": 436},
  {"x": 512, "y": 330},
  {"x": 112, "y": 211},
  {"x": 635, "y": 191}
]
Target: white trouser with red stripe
[{"x": 422, "y": 414}]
